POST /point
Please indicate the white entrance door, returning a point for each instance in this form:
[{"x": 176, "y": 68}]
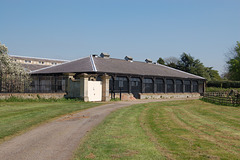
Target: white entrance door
[{"x": 95, "y": 90}]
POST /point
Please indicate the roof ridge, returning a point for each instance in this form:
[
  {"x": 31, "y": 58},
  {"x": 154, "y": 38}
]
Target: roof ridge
[
  {"x": 93, "y": 63},
  {"x": 128, "y": 61},
  {"x": 56, "y": 65}
]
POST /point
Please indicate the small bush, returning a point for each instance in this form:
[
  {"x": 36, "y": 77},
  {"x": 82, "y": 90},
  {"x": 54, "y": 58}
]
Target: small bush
[
  {"x": 115, "y": 99},
  {"x": 38, "y": 96}
]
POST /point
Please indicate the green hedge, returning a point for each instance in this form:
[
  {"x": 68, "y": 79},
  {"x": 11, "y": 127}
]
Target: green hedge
[
  {"x": 224, "y": 84},
  {"x": 217, "y": 89}
]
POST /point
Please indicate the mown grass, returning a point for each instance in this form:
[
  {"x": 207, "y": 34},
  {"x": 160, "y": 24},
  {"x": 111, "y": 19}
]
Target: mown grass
[
  {"x": 190, "y": 129},
  {"x": 16, "y": 117},
  {"x": 119, "y": 136}
]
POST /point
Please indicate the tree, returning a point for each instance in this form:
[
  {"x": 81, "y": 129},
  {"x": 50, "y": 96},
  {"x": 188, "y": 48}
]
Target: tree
[
  {"x": 171, "y": 62},
  {"x": 13, "y": 77},
  {"x": 3, "y": 49},
  {"x": 213, "y": 74},
  {"x": 234, "y": 63},
  {"x": 197, "y": 68},
  {"x": 161, "y": 61},
  {"x": 188, "y": 64}
]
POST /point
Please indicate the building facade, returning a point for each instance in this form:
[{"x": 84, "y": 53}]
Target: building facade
[
  {"x": 101, "y": 76},
  {"x": 33, "y": 63}
]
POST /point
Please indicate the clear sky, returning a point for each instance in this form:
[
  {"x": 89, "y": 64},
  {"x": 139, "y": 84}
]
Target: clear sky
[{"x": 72, "y": 29}]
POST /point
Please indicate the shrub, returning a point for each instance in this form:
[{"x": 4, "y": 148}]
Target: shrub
[
  {"x": 115, "y": 99},
  {"x": 224, "y": 84},
  {"x": 218, "y": 89}
]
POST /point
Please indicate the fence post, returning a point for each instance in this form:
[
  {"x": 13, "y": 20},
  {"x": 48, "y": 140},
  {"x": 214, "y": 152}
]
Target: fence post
[{"x": 238, "y": 99}]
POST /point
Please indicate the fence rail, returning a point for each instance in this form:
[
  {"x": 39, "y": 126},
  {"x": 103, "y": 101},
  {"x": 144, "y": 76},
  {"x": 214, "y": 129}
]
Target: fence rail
[{"x": 223, "y": 98}]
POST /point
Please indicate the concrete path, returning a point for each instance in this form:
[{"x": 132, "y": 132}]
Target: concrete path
[{"x": 58, "y": 139}]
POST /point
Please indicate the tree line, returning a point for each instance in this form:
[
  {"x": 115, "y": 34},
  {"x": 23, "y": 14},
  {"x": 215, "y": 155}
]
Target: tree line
[{"x": 189, "y": 64}]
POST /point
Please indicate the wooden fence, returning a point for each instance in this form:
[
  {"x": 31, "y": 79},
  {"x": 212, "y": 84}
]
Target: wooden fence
[{"x": 223, "y": 98}]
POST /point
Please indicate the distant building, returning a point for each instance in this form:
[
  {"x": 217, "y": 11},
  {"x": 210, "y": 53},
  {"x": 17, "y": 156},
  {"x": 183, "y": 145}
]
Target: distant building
[{"x": 33, "y": 63}]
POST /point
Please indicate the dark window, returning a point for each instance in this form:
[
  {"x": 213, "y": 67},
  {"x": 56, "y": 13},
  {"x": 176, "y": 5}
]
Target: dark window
[
  {"x": 170, "y": 85},
  {"x": 121, "y": 83},
  {"x": 45, "y": 84},
  {"x": 148, "y": 85},
  {"x": 98, "y": 78},
  {"x": 136, "y": 86},
  {"x": 39, "y": 84},
  {"x": 160, "y": 85},
  {"x": 59, "y": 85},
  {"x": 111, "y": 84},
  {"x": 195, "y": 86},
  {"x": 179, "y": 86},
  {"x": 187, "y": 85}
]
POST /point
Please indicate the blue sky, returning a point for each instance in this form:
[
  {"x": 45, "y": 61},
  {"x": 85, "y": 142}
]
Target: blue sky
[{"x": 72, "y": 29}]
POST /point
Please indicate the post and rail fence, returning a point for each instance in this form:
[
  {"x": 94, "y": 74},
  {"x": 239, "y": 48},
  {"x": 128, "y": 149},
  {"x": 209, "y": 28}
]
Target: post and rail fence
[{"x": 224, "y": 98}]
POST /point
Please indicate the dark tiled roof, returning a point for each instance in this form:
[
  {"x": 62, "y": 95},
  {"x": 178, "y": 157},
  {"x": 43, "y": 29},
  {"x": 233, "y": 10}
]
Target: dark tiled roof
[
  {"x": 118, "y": 66},
  {"x": 112, "y": 65},
  {"x": 32, "y": 67},
  {"x": 79, "y": 65}
]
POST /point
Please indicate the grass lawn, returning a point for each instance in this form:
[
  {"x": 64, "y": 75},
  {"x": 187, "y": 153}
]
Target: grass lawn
[
  {"x": 16, "y": 117},
  {"x": 190, "y": 129}
]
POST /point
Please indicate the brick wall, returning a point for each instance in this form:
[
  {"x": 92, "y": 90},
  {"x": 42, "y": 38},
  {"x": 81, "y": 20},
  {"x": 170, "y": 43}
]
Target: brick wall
[
  {"x": 168, "y": 95},
  {"x": 125, "y": 96}
]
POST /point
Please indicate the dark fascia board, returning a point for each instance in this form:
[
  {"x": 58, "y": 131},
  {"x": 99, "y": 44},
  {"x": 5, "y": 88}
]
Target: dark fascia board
[
  {"x": 120, "y": 74},
  {"x": 48, "y": 74},
  {"x": 149, "y": 76}
]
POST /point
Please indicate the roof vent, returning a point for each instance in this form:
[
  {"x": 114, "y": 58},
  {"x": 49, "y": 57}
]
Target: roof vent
[
  {"x": 94, "y": 55},
  {"x": 128, "y": 58},
  {"x": 148, "y": 60},
  {"x": 104, "y": 55}
]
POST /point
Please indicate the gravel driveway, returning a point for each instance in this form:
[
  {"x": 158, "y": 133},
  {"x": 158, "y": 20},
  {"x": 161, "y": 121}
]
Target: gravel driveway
[{"x": 58, "y": 139}]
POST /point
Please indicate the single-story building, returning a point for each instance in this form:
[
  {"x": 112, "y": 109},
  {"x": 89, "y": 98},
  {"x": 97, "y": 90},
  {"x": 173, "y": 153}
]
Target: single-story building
[{"x": 100, "y": 78}]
